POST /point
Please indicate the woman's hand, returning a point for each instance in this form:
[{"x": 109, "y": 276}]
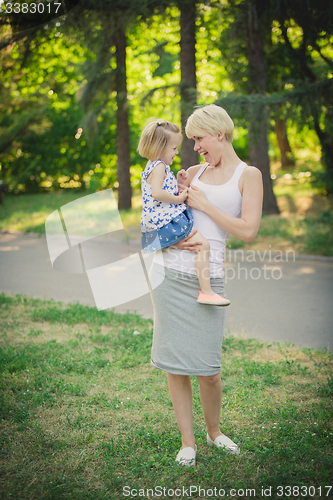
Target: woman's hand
[
  {"x": 187, "y": 244},
  {"x": 195, "y": 198}
]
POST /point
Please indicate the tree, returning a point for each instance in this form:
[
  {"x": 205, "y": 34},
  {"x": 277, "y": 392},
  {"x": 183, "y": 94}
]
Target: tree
[
  {"x": 113, "y": 18},
  {"x": 38, "y": 114},
  {"x": 257, "y": 19},
  {"x": 283, "y": 142},
  {"x": 188, "y": 76},
  {"x": 187, "y": 84},
  {"x": 123, "y": 131},
  {"x": 314, "y": 25},
  {"x": 250, "y": 25},
  {"x": 117, "y": 15}
]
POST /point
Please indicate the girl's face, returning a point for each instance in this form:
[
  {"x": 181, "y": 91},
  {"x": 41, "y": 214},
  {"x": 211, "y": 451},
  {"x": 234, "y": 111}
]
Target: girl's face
[
  {"x": 171, "y": 149},
  {"x": 209, "y": 146}
]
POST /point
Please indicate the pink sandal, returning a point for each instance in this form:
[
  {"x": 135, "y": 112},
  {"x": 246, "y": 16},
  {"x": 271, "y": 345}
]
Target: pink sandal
[{"x": 213, "y": 300}]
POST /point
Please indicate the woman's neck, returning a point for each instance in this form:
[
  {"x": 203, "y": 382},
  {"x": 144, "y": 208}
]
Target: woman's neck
[{"x": 229, "y": 158}]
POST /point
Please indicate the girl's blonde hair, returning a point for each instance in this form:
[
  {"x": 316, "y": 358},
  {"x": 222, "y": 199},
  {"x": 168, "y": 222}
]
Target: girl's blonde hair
[
  {"x": 212, "y": 119},
  {"x": 155, "y": 137}
]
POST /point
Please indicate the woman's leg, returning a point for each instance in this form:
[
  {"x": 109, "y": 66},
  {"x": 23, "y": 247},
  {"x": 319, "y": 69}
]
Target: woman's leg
[
  {"x": 180, "y": 390},
  {"x": 211, "y": 397}
]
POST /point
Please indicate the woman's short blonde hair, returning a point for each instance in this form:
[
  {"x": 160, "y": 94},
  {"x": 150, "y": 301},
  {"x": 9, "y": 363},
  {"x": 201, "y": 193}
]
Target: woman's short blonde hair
[
  {"x": 155, "y": 137},
  {"x": 212, "y": 119}
]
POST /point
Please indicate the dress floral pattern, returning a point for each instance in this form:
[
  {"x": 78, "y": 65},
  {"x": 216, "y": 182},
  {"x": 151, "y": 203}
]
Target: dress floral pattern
[{"x": 156, "y": 214}]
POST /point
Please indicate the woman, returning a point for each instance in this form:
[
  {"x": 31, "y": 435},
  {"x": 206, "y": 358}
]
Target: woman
[{"x": 225, "y": 197}]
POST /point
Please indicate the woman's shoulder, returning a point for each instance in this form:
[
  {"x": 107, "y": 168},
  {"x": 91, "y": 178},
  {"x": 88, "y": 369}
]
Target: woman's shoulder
[
  {"x": 251, "y": 172},
  {"x": 250, "y": 177},
  {"x": 192, "y": 171},
  {"x": 195, "y": 168}
]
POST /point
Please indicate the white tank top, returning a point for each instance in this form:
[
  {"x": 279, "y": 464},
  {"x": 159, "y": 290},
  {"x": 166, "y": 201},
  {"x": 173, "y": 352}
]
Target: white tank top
[{"x": 225, "y": 197}]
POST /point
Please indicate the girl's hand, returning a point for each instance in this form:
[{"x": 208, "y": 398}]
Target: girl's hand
[
  {"x": 183, "y": 195},
  {"x": 182, "y": 176},
  {"x": 195, "y": 198},
  {"x": 187, "y": 244},
  {"x": 181, "y": 188}
]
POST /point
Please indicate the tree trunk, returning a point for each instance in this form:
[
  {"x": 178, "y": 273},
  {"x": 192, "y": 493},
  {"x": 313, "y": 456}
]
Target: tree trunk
[
  {"x": 188, "y": 82},
  {"x": 326, "y": 142},
  {"x": 123, "y": 133},
  {"x": 258, "y": 149},
  {"x": 323, "y": 130},
  {"x": 284, "y": 146}
]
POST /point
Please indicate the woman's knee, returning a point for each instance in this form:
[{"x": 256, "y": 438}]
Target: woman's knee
[
  {"x": 210, "y": 380},
  {"x": 178, "y": 379}
]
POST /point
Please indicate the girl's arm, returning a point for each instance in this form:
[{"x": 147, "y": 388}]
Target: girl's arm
[
  {"x": 246, "y": 227},
  {"x": 185, "y": 177},
  {"x": 156, "y": 180}
]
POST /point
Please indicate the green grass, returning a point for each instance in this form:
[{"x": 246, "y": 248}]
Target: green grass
[
  {"x": 312, "y": 235},
  {"x": 305, "y": 224},
  {"x": 84, "y": 414},
  {"x": 28, "y": 212},
  {"x": 309, "y": 235}
]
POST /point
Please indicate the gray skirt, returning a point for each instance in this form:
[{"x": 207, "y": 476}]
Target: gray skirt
[{"x": 187, "y": 337}]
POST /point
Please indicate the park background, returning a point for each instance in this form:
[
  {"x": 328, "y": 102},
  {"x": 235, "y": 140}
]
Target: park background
[
  {"x": 77, "y": 91},
  {"x": 83, "y": 414}
]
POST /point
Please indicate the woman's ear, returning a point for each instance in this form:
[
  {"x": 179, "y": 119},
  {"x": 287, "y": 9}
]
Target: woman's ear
[{"x": 221, "y": 136}]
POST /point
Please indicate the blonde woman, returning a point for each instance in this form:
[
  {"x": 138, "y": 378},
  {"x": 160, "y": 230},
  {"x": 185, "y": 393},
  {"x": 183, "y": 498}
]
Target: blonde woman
[
  {"x": 225, "y": 197},
  {"x": 165, "y": 219}
]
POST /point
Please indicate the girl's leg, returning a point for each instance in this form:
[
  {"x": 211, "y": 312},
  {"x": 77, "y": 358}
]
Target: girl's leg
[
  {"x": 211, "y": 397},
  {"x": 207, "y": 296},
  {"x": 180, "y": 390},
  {"x": 202, "y": 263}
]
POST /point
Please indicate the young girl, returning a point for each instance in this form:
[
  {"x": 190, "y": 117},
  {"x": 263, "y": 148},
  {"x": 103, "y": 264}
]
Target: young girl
[{"x": 165, "y": 219}]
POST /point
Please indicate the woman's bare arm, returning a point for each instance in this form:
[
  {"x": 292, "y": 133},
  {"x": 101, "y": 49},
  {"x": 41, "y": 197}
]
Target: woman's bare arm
[{"x": 246, "y": 227}]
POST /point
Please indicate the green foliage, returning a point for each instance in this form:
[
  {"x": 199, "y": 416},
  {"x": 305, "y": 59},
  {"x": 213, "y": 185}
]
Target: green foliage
[
  {"x": 53, "y": 152},
  {"x": 58, "y": 120},
  {"x": 298, "y": 63}
]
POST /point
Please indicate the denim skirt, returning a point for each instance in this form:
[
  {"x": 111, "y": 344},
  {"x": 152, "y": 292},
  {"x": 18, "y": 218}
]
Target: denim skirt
[{"x": 173, "y": 232}]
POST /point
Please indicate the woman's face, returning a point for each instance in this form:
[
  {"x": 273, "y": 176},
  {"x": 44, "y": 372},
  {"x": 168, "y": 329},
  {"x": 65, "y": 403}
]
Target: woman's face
[{"x": 209, "y": 146}]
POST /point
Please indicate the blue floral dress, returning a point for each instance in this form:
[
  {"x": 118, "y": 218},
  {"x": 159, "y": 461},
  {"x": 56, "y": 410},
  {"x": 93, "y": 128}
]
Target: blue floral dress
[{"x": 162, "y": 224}]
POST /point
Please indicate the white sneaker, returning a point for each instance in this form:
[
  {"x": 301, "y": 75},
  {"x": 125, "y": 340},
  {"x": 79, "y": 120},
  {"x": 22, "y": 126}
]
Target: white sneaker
[
  {"x": 225, "y": 443},
  {"x": 186, "y": 456}
]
